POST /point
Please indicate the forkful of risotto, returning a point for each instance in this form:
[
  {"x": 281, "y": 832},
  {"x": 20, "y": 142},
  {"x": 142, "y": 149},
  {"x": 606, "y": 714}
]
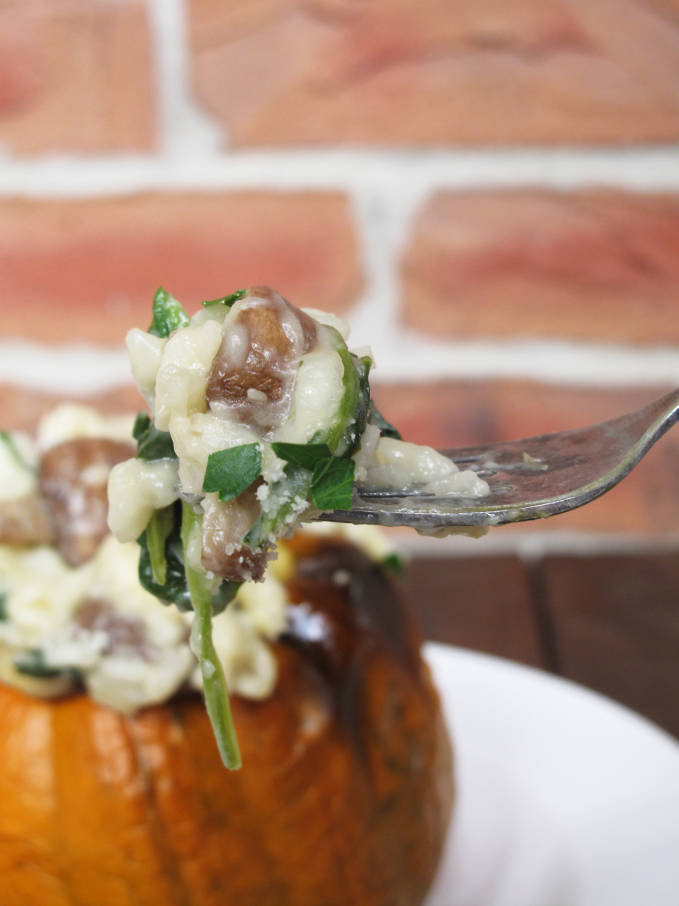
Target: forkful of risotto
[{"x": 260, "y": 418}]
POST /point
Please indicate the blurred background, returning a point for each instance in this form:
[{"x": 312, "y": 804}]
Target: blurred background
[{"x": 487, "y": 191}]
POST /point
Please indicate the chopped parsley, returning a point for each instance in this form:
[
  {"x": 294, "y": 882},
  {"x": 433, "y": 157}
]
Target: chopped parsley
[
  {"x": 394, "y": 563},
  {"x": 332, "y": 484},
  {"x": 227, "y": 300},
  {"x": 232, "y": 471},
  {"x": 332, "y": 478},
  {"x": 305, "y": 455},
  {"x": 168, "y": 314}
]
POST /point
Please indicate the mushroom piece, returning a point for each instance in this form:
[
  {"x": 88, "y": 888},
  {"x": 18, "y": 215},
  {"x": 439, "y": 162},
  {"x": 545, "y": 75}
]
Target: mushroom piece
[
  {"x": 254, "y": 369},
  {"x": 25, "y": 520},
  {"x": 72, "y": 480}
]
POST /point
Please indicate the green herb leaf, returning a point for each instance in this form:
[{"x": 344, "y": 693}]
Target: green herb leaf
[
  {"x": 7, "y": 439},
  {"x": 341, "y": 437},
  {"x": 357, "y": 427},
  {"x": 32, "y": 663},
  {"x": 157, "y": 531},
  {"x": 281, "y": 503},
  {"x": 332, "y": 484},
  {"x": 4, "y": 615},
  {"x": 151, "y": 443},
  {"x": 174, "y": 589},
  {"x": 376, "y": 418},
  {"x": 232, "y": 471},
  {"x": 141, "y": 425},
  {"x": 329, "y": 485},
  {"x": 227, "y": 300},
  {"x": 394, "y": 563},
  {"x": 304, "y": 455},
  {"x": 214, "y": 682},
  {"x": 344, "y": 438},
  {"x": 168, "y": 314}
]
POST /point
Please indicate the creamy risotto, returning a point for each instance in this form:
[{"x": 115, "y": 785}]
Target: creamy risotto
[
  {"x": 269, "y": 422},
  {"x": 260, "y": 419},
  {"x": 73, "y": 613}
]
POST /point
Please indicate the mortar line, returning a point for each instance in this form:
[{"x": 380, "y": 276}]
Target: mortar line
[
  {"x": 196, "y": 165},
  {"x": 185, "y": 132},
  {"x": 70, "y": 368}
]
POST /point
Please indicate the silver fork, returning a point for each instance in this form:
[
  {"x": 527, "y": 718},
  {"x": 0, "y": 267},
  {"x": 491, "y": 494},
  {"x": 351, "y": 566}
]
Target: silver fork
[{"x": 529, "y": 479}]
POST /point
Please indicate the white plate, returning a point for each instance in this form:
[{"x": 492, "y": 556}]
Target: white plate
[{"x": 564, "y": 797}]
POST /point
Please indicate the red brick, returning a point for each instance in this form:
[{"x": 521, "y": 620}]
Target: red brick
[
  {"x": 285, "y": 72},
  {"x": 75, "y": 75},
  {"x": 456, "y": 414},
  {"x": 23, "y": 408},
  {"x": 600, "y": 266},
  {"x": 87, "y": 270}
]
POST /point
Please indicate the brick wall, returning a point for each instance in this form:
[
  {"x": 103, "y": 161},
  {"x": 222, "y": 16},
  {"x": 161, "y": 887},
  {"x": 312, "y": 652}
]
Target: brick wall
[{"x": 488, "y": 192}]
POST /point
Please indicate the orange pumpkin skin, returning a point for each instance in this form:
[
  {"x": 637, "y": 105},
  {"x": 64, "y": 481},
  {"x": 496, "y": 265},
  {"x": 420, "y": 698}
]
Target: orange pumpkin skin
[{"x": 344, "y": 796}]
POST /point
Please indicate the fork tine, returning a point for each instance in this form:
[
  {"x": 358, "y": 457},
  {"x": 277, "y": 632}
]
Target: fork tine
[{"x": 531, "y": 478}]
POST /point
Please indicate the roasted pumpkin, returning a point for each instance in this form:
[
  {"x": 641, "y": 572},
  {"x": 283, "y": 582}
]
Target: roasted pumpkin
[{"x": 344, "y": 797}]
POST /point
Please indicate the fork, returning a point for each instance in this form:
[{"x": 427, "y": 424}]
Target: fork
[{"x": 531, "y": 478}]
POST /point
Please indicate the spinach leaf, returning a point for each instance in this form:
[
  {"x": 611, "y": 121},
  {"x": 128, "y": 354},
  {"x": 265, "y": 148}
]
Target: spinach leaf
[
  {"x": 366, "y": 412},
  {"x": 3, "y": 607},
  {"x": 32, "y": 663},
  {"x": 280, "y": 506},
  {"x": 304, "y": 455},
  {"x": 394, "y": 563},
  {"x": 224, "y": 595},
  {"x": 157, "y": 530},
  {"x": 355, "y": 430},
  {"x": 343, "y": 436},
  {"x": 214, "y": 681},
  {"x": 332, "y": 483},
  {"x": 376, "y": 418},
  {"x": 168, "y": 314},
  {"x": 151, "y": 443},
  {"x": 312, "y": 472},
  {"x": 227, "y": 300},
  {"x": 174, "y": 589},
  {"x": 232, "y": 471}
]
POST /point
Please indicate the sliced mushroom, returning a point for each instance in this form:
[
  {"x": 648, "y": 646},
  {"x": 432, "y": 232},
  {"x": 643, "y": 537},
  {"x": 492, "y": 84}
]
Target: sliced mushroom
[
  {"x": 72, "y": 480},
  {"x": 254, "y": 369},
  {"x": 24, "y": 520},
  {"x": 224, "y": 526},
  {"x": 123, "y": 633}
]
